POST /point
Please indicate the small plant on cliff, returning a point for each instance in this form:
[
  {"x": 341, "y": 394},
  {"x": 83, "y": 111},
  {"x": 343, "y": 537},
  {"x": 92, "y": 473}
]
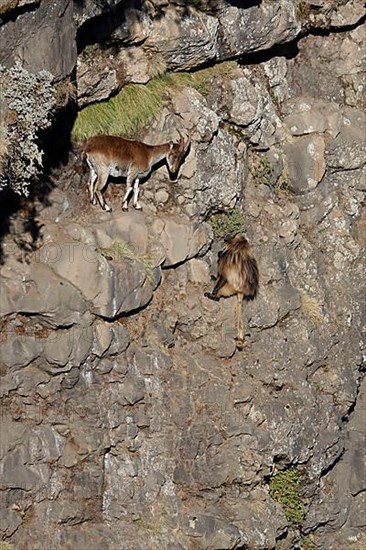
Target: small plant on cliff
[
  {"x": 263, "y": 172},
  {"x": 226, "y": 223},
  {"x": 136, "y": 105},
  {"x": 311, "y": 309},
  {"x": 306, "y": 543},
  {"x": 124, "y": 114},
  {"x": 27, "y": 101},
  {"x": 284, "y": 487},
  {"x": 119, "y": 250}
]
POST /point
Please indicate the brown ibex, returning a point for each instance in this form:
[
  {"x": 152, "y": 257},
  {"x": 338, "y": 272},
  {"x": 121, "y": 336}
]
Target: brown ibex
[
  {"x": 115, "y": 156},
  {"x": 237, "y": 274}
]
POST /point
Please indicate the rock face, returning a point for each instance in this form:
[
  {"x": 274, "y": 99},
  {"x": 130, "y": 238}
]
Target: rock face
[
  {"x": 129, "y": 419},
  {"x": 47, "y": 29}
]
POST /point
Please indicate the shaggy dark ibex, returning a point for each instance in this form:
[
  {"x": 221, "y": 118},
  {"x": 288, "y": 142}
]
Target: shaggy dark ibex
[
  {"x": 237, "y": 274},
  {"x": 115, "y": 156}
]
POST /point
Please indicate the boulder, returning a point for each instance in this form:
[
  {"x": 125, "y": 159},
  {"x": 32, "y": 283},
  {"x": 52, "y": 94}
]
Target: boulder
[
  {"x": 305, "y": 163},
  {"x": 257, "y": 27},
  {"x": 111, "y": 287},
  {"x": 184, "y": 37},
  {"x": 181, "y": 241},
  {"x": 307, "y": 116},
  {"x": 348, "y": 150},
  {"x": 68, "y": 348},
  {"x": 219, "y": 177},
  {"x": 42, "y": 293},
  {"x": 43, "y": 38},
  {"x": 18, "y": 351}
]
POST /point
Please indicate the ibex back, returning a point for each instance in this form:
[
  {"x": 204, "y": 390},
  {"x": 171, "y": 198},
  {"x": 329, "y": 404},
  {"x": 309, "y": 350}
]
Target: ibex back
[{"x": 115, "y": 156}]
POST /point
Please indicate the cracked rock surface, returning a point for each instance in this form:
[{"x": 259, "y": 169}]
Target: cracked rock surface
[{"x": 129, "y": 419}]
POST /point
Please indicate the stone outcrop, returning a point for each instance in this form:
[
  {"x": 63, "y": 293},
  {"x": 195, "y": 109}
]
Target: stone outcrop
[
  {"x": 42, "y": 38},
  {"x": 129, "y": 419}
]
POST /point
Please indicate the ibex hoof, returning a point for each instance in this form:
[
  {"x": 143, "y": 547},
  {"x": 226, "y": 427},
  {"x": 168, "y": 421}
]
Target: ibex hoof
[
  {"x": 107, "y": 209},
  {"x": 124, "y": 208},
  {"x": 137, "y": 206}
]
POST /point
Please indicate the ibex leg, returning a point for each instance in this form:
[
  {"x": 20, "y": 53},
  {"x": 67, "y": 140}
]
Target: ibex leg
[
  {"x": 101, "y": 183},
  {"x": 91, "y": 184},
  {"x": 136, "y": 190},
  {"x": 128, "y": 192}
]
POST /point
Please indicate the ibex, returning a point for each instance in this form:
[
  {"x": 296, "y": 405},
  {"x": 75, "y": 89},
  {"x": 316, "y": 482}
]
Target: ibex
[
  {"x": 115, "y": 156},
  {"x": 237, "y": 274}
]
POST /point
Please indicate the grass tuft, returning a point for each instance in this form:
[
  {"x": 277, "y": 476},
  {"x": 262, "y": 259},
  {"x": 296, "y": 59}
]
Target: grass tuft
[
  {"x": 123, "y": 115},
  {"x": 263, "y": 172},
  {"x": 120, "y": 250},
  {"x": 226, "y": 223},
  {"x": 306, "y": 543},
  {"x": 311, "y": 309},
  {"x": 127, "y": 113}
]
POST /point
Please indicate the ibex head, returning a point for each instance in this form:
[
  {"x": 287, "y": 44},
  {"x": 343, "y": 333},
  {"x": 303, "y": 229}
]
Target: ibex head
[{"x": 176, "y": 154}]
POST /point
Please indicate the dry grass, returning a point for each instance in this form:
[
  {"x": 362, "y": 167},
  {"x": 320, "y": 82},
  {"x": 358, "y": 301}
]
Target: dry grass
[
  {"x": 120, "y": 250},
  {"x": 311, "y": 309}
]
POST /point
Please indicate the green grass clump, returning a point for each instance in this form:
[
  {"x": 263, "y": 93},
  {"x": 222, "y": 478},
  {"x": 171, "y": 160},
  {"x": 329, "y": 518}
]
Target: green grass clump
[
  {"x": 263, "y": 172},
  {"x": 124, "y": 114},
  {"x": 226, "y": 223},
  {"x": 127, "y": 113},
  {"x": 284, "y": 487}
]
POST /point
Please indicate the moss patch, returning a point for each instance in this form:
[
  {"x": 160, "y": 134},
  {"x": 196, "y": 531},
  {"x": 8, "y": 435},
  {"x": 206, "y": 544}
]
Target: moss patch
[{"x": 284, "y": 487}]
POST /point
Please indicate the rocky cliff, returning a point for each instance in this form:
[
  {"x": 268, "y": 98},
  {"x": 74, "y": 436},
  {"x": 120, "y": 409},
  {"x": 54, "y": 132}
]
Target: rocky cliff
[{"x": 129, "y": 419}]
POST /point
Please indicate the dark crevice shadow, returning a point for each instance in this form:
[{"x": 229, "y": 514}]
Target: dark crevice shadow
[
  {"x": 244, "y": 4},
  {"x": 9, "y": 204},
  {"x": 289, "y": 50},
  {"x": 100, "y": 28},
  {"x": 18, "y": 215},
  {"x": 318, "y": 31},
  {"x": 56, "y": 140}
]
